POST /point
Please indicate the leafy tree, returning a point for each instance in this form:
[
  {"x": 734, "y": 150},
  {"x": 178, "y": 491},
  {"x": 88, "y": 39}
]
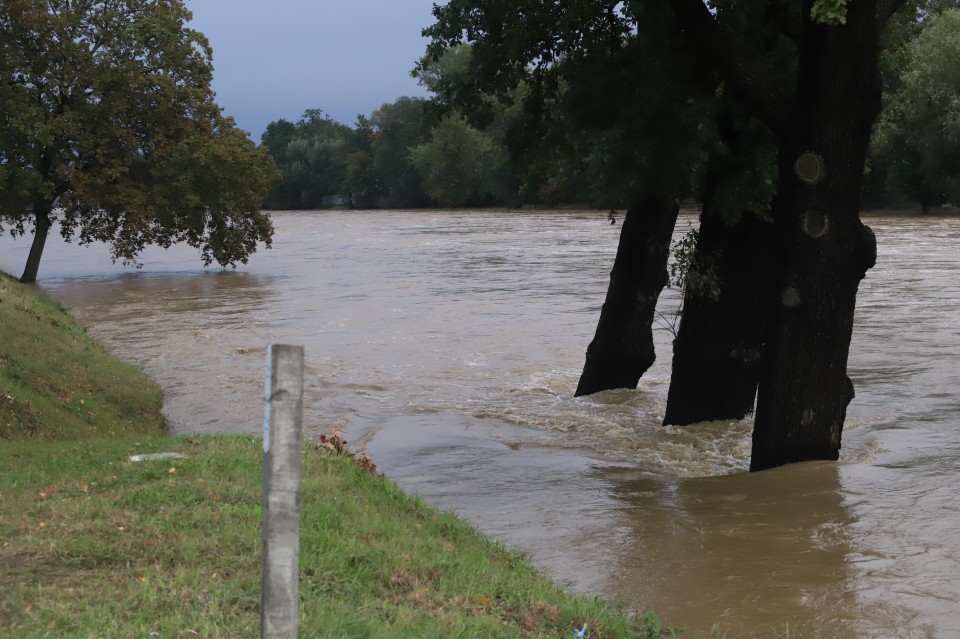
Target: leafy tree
[
  {"x": 314, "y": 164},
  {"x": 496, "y": 121},
  {"x": 277, "y": 136},
  {"x": 397, "y": 128},
  {"x": 368, "y": 165},
  {"x": 110, "y": 126},
  {"x": 362, "y": 182},
  {"x": 456, "y": 163},
  {"x": 917, "y": 139},
  {"x": 445, "y": 71},
  {"x": 724, "y": 312},
  {"x": 317, "y": 167},
  {"x": 285, "y": 193}
]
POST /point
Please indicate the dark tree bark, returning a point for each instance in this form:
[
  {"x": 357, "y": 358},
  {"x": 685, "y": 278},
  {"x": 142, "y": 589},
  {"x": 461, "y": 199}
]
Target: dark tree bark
[
  {"x": 716, "y": 355},
  {"x": 41, "y": 229},
  {"x": 823, "y": 248},
  {"x": 42, "y": 208},
  {"x": 622, "y": 349}
]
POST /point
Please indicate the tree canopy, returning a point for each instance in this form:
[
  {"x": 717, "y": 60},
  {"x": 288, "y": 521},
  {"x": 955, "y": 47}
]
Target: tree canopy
[
  {"x": 617, "y": 109},
  {"x": 455, "y": 162},
  {"x": 326, "y": 163},
  {"x": 110, "y": 126},
  {"x": 917, "y": 139}
]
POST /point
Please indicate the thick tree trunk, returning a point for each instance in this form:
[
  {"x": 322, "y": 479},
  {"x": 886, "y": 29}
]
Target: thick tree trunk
[
  {"x": 822, "y": 124},
  {"x": 622, "y": 349},
  {"x": 40, "y": 230},
  {"x": 716, "y": 355},
  {"x": 823, "y": 248}
]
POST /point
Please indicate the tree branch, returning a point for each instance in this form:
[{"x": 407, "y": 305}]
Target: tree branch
[
  {"x": 886, "y": 9},
  {"x": 717, "y": 47}
]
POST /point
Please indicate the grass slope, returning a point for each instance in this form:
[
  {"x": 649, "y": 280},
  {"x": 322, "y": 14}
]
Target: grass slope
[
  {"x": 97, "y": 546},
  {"x": 94, "y": 545},
  {"x": 56, "y": 382}
]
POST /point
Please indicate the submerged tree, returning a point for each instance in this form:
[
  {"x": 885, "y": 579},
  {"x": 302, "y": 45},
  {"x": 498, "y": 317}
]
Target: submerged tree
[
  {"x": 716, "y": 356},
  {"x": 110, "y": 127},
  {"x": 821, "y": 112},
  {"x": 590, "y": 100},
  {"x": 716, "y": 351},
  {"x": 812, "y": 79}
]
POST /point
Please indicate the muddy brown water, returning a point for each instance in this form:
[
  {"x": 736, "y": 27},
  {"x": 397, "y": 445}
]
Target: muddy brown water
[{"x": 448, "y": 344}]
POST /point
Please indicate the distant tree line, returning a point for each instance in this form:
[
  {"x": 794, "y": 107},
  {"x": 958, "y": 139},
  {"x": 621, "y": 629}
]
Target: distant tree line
[
  {"x": 416, "y": 152},
  {"x": 407, "y": 154},
  {"x": 396, "y": 158}
]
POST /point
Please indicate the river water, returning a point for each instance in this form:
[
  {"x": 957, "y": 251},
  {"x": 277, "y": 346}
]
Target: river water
[{"x": 448, "y": 345}]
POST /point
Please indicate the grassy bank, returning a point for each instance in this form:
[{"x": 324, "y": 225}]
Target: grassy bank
[
  {"x": 95, "y": 545},
  {"x": 58, "y": 383}
]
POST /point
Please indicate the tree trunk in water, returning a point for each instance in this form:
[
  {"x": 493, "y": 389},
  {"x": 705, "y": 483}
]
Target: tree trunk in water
[
  {"x": 40, "y": 230},
  {"x": 716, "y": 355},
  {"x": 822, "y": 247},
  {"x": 622, "y": 349}
]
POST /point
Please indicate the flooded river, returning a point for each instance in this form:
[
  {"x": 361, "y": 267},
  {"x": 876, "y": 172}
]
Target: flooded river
[{"x": 449, "y": 346}]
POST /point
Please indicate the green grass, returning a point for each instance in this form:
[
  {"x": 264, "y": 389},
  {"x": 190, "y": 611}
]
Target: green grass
[
  {"x": 56, "y": 382},
  {"x": 95, "y": 545}
]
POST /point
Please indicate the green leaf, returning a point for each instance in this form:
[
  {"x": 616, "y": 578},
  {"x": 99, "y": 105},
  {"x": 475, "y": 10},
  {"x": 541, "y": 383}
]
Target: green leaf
[{"x": 829, "y": 11}]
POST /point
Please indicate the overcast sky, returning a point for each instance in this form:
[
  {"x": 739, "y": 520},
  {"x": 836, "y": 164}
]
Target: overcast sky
[{"x": 275, "y": 58}]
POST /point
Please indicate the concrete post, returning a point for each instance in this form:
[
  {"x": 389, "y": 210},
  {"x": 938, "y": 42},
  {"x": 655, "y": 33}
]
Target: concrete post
[{"x": 282, "y": 435}]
